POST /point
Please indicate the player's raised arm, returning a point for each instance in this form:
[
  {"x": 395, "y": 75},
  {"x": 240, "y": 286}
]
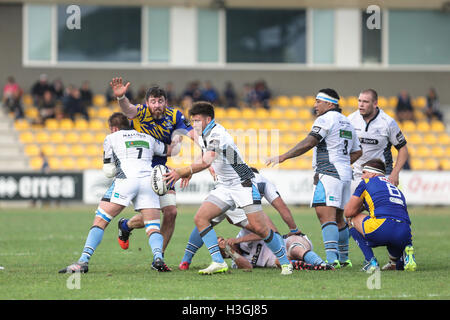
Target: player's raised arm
[
  {"x": 302, "y": 147},
  {"x": 119, "y": 90}
]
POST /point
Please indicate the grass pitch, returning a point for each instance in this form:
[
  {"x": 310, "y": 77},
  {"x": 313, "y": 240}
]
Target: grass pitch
[{"x": 36, "y": 243}]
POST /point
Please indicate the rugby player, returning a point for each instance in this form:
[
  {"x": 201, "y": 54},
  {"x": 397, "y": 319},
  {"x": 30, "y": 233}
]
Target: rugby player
[
  {"x": 335, "y": 147},
  {"x": 234, "y": 188},
  {"x": 388, "y": 222},
  {"x": 127, "y": 157},
  {"x": 165, "y": 124}
]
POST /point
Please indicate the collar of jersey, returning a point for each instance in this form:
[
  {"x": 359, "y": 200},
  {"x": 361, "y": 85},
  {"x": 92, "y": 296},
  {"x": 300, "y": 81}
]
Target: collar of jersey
[
  {"x": 337, "y": 109},
  {"x": 209, "y": 127}
]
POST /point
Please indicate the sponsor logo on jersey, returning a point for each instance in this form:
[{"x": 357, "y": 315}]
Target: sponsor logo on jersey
[
  {"x": 345, "y": 134},
  {"x": 368, "y": 141},
  {"x": 137, "y": 144}
]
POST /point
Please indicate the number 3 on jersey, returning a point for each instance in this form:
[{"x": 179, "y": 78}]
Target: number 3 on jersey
[{"x": 346, "y": 135}]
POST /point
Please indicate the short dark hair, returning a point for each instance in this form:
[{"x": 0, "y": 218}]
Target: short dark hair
[
  {"x": 119, "y": 120},
  {"x": 372, "y": 92},
  {"x": 375, "y": 163},
  {"x": 155, "y": 92},
  {"x": 203, "y": 108}
]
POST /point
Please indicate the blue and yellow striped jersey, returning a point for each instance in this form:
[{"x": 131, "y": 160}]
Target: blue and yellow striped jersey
[
  {"x": 382, "y": 199},
  {"x": 160, "y": 129}
]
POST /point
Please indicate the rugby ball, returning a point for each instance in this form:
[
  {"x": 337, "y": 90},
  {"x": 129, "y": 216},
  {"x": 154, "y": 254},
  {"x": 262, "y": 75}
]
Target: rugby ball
[{"x": 158, "y": 184}]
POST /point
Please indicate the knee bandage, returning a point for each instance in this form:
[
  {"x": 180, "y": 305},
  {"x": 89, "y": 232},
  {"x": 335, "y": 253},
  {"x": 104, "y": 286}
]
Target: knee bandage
[
  {"x": 152, "y": 225},
  {"x": 102, "y": 214}
]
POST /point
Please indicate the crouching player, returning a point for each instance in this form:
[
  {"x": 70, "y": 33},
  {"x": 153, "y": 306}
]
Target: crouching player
[
  {"x": 248, "y": 251},
  {"x": 388, "y": 222},
  {"x": 127, "y": 157}
]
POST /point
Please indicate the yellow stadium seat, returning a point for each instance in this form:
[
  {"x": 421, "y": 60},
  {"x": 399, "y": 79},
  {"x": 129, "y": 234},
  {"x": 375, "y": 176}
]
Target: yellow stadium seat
[
  {"x": 248, "y": 113},
  {"x": 392, "y": 101},
  {"x": 276, "y": 113},
  {"x": 437, "y": 126},
  {"x": 92, "y": 112},
  {"x": 54, "y": 163},
  {"x": 298, "y": 101},
  {"x": 262, "y": 114},
  {"x": 84, "y": 163},
  {"x": 239, "y": 124},
  {"x": 26, "y": 137},
  {"x": 99, "y": 100},
  {"x": 97, "y": 163},
  {"x": 419, "y": 102},
  {"x": 303, "y": 163},
  {"x": 31, "y": 113},
  {"x": 97, "y": 125},
  {"x": 234, "y": 113},
  {"x": 21, "y": 124},
  {"x": 310, "y": 101},
  {"x": 419, "y": 115},
  {"x": 417, "y": 164},
  {"x": 447, "y": 152},
  {"x": 255, "y": 124},
  {"x": 352, "y": 101},
  {"x": 430, "y": 139},
  {"x": 269, "y": 125},
  {"x": 423, "y": 151},
  {"x": 305, "y": 114},
  {"x": 390, "y": 113},
  {"x": 62, "y": 150},
  {"x": 408, "y": 126},
  {"x": 423, "y": 126},
  {"x": 415, "y": 138},
  {"x": 282, "y": 101},
  {"x": 104, "y": 113},
  {"x": 71, "y": 137},
  {"x": 94, "y": 150},
  {"x": 382, "y": 102},
  {"x": 438, "y": 151},
  {"x": 445, "y": 164},
  {"x": 69, "y": 163},
  {"x": 42, "y": 137},
  {"x": 36, "y": 163},
  {"x": 81, "y": 124},
  {"x": 219, "y": 113},
  {"x": 226, "y": 123},
  {"x": 27, "y": 99},
  {"x": 290, "y": 114},
  {"x": 431, "y": 164},
  {"x": 290, "y": 138},
  {"x": 57, "y": 137},
  {"x": 87, "y": 137},
  {"x": 444, "y": 139},
  {"x": 78, "y": 150},
  {"x": 48, "y": 149},
  {"x": 284, "y": 125},
  {"x": 297, "y": 126},
  {"x": 66, "y": 124},
  {"x": 52, "y": 124},
  {"x": 100, "y": 137},
  {"x": 343, "y": 102},
  {"x": 32, "y": 150}
]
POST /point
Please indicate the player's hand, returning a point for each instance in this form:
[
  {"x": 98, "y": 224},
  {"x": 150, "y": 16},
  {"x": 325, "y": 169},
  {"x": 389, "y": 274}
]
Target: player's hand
[
  {"x": 185, "y": 182},
  {"x": 393, "y": 178},
  {"x": 118, "y": 88},
  {"x": 231, "y": 241},
  {"x": 298, "y": 233},
  {"x": 171, "y": 177},
  {"x": 272, "y": 161}
]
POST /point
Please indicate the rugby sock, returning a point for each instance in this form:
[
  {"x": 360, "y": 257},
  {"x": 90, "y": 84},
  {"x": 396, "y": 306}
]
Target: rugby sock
[
  {"x": 156, "y": 243},
  {"x": 311, "y": 257},
  {"x": 209, "y": 238},
  {"x": 94, "y": 238},
  {"x": 275, "y": 243},
  {"x": 362, "y": 244},
  {"x": 343, "y": 243},
  {"x": 194, "y": 243},
  {"x": 330, "y": 235}
]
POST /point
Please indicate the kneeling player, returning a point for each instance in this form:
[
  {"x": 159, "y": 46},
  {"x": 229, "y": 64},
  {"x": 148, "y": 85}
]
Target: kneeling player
[
  {"x": 127, "y": 157},
  {"x": 388, "y": 222}
]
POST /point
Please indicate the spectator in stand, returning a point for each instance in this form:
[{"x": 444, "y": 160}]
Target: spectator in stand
[
  {"x": 171, "y": 95},
  {"x": 47, "y": 107},
  {"x": 404, "y": 110},
  {"x": 140, "y": 97},
  {"x": 12, "y": 98},
  {"x": 247, "y": 95},
  {"x": 230, "y": 96},
  {"x": 432, "y": 108},
  {"x": 73, "y": 104},
  {"x": 109, "y": 96},
  {"x": 262, "y": 94},
  {"x": 209, "y": 93},
  {"x": 39, "y": 88},
  {"x": 58, "y": 90},
  {"x": 86, "y": 95}
]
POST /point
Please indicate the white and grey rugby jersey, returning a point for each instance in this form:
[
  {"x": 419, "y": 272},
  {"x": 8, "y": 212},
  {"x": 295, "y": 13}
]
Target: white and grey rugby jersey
[
  {"x": 229, "y": 165},
  {"x": 337, "y": 139},
  {"x": 132, "y": 153},
  {"x": 376, "y": 138},
  {"x": 266, "y": 188},
  {"x": 256, "y": 252}
]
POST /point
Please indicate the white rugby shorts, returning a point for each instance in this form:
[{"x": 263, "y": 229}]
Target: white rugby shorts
[
  {"x": 136, "y": 190},
  {"x": 237, "y": 195},
  {"x": 331, "y": 192}
]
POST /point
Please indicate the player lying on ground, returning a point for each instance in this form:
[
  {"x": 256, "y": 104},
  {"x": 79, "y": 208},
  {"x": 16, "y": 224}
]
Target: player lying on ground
[
  {"x": 248, "y": 251},
  {"x": 388, "y": 222},
  {"x": 234, "y": 188},
  {"x": 238, "y": 217},
  {"x": 127, "y": 157}
]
